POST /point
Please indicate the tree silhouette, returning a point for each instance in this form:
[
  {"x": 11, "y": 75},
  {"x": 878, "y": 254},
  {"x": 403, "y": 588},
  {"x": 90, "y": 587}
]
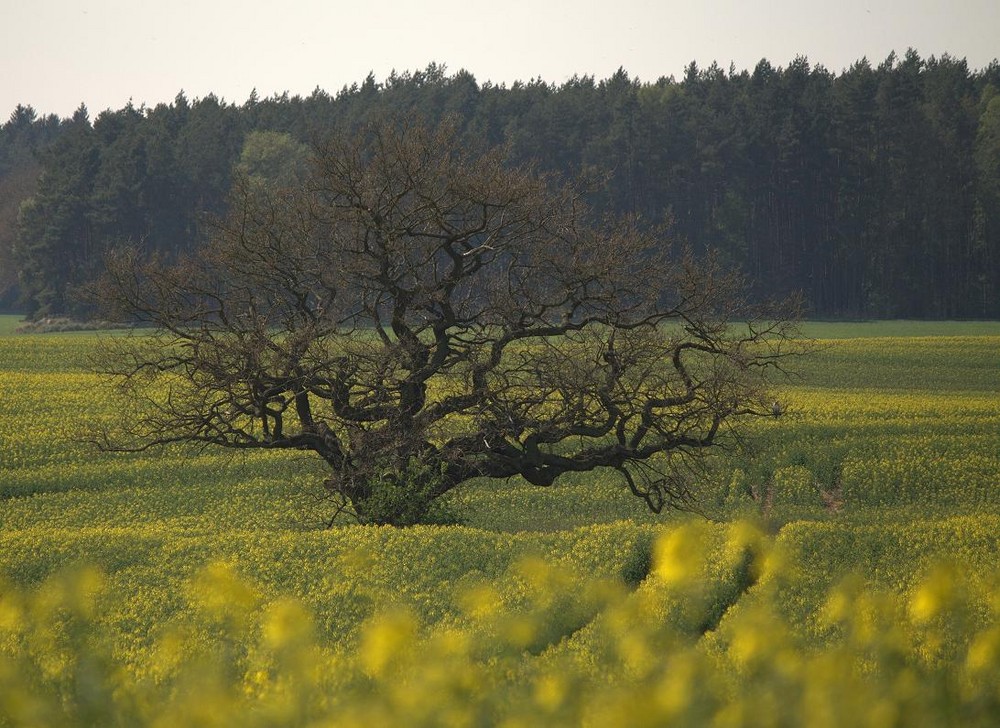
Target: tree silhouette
[{"x": 419, "y": 313}]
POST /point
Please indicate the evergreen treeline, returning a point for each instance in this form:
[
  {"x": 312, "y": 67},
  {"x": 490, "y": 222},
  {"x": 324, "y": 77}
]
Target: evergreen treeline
[{"x": 876, "y": 191}]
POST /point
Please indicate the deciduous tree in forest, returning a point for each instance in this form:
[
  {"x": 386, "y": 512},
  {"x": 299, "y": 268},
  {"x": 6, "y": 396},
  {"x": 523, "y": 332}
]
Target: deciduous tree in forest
[{"x": 419, "y": 314}]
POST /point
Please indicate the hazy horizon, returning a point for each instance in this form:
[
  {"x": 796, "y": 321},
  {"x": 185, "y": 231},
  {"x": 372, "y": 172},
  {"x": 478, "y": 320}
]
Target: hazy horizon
[{"x": 105, "y": 53}]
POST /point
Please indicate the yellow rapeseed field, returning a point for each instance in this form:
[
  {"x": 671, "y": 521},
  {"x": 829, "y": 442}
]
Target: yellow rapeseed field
[{"x": 843, "y": 572}]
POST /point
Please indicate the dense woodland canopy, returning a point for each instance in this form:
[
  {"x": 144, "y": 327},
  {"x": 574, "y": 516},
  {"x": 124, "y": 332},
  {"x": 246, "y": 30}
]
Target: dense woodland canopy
[{"x": 875, "y": 191}]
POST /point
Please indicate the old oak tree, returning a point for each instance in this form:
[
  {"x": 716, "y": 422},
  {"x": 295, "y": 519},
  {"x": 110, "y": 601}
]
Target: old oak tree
[{"x": 418, "y": 313}]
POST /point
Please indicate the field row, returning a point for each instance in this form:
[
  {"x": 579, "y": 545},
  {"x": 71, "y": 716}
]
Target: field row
[
  {"x": 709, "y": 636},
  {"x": 832, "y": 449}
]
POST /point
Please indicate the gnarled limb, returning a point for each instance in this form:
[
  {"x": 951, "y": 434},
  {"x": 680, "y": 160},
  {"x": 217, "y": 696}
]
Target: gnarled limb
[{"x": 421, "y": 308}]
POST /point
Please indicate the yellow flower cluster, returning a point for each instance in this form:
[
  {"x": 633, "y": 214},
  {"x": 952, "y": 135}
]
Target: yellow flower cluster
[{"x": 238, "y": 655}]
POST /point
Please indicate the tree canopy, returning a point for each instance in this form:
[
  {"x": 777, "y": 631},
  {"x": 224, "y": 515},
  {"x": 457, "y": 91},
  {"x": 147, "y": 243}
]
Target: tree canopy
[{"x": 420, "y": 312}]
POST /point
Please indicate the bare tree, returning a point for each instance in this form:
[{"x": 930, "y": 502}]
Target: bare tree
[{"x": 418, "y": 314}]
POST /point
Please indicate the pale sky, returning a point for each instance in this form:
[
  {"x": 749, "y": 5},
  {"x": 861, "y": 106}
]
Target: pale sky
[{"x": 55, "y": 54}]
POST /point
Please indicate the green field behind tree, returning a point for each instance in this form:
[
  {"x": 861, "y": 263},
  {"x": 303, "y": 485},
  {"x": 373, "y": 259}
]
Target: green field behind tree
[{"x": 843, "y": 571}]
